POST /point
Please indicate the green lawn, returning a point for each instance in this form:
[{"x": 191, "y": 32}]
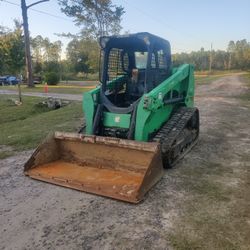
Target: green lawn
[{"x": 23, "y": 127}]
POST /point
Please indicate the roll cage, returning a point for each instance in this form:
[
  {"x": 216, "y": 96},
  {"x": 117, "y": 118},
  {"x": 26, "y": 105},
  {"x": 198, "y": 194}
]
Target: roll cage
[{"x": 136, "y": 63}]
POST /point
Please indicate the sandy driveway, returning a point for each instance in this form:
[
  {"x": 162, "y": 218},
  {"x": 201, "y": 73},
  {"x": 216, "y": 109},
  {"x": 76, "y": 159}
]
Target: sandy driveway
[{"x": 36, "y": 215}]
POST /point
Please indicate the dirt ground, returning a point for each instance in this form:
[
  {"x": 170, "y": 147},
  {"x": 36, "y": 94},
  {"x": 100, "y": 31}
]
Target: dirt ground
[{"x": 203, "y": 203}]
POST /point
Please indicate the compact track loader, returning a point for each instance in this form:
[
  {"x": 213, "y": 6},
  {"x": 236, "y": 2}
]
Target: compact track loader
[{"x": 139, "y": 120}]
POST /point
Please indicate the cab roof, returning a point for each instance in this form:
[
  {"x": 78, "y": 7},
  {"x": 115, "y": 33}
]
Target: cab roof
[{"x": 139, "y": 41}]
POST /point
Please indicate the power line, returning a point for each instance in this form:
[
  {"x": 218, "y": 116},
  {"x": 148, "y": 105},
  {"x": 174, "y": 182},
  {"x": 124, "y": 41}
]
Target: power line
[
  {"x": 11, "y": 3},
  {"x": 160, "y": 21},
  {"x": 40, "y": 11},
  {"x": 52, "y": 15}
]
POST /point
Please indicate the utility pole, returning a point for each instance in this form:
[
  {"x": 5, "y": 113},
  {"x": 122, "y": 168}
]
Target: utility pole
[
  {"x": 27, "y": 39},
  {"x": 230, "y": 61},
  {"x": 211, "y": 59}
]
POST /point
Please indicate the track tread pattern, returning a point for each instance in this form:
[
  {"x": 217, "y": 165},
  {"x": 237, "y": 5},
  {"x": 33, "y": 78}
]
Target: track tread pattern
[{"x": 169, "y": 133}]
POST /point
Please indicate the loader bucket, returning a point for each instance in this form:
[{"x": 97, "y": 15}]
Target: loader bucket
[{"x": 112, "y": 167}]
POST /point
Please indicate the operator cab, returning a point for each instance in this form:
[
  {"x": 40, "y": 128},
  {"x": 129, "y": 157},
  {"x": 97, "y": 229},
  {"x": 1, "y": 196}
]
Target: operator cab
[{"x": 132, "y": 65}]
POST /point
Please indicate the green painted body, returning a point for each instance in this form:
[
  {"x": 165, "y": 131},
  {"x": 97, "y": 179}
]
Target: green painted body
[
  {"x": 116, "y": 120},
  {"x": 151, "y": 112}
]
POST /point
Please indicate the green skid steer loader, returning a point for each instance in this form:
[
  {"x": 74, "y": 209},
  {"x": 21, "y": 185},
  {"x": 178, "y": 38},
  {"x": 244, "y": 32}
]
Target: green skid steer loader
[{"x": 140, "y": 120}]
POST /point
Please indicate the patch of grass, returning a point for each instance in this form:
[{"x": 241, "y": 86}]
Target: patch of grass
[
  {"x": 246, "y": 79},
  {"x": 180, "y": 241},
  {"x": 10, "y": 112},
  {"x": 210, "y": 189},
  {"x": 5, "y": 154},
  {"x": 216, "y": 215},
  {"x": 206, "y": 79},
  {"x": 212, "y": 168},
  {"x": 23, "y": 127},
  {"x": 202, "y": 234},
  {"x": 216, "y": 72}
]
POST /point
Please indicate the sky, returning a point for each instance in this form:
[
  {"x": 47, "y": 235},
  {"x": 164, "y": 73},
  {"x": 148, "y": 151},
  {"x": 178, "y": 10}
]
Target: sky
[{"x": 188, "y": 25}]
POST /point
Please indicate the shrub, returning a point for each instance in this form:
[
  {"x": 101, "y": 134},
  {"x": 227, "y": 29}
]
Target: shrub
[{"x": 52, "y": 78}]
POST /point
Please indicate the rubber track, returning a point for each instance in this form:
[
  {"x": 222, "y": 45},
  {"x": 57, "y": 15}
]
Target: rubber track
[{"x": 167, "y": 135}]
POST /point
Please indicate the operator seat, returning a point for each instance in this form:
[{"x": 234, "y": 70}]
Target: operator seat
[{"x": 135, "y": 85}]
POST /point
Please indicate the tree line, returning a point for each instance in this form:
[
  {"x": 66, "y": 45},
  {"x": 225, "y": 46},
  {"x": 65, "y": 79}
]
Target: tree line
[
  {"x": 95, "y": 18},
  {"x": 81, "y": 58},
  {"x": 237, "y": 56},
  {"x": 11, "y": 50},
  {"x": 82, "y": 55}
]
